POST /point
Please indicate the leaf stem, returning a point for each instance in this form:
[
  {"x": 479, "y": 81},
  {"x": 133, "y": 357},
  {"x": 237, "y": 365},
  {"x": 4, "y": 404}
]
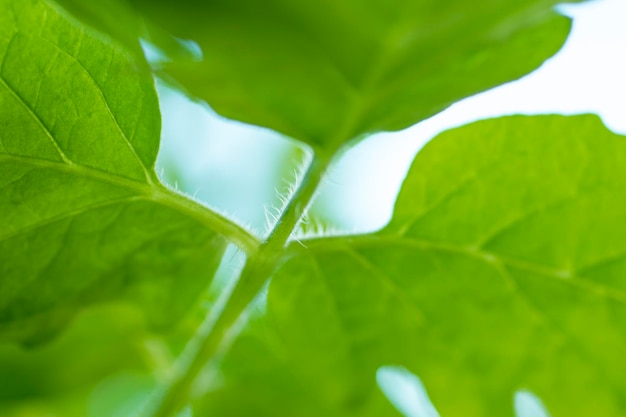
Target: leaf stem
[
  {"x": 221, "y": 224},
  {"x": 219, "y": 330},
  {"x": 155, "y": 193}
]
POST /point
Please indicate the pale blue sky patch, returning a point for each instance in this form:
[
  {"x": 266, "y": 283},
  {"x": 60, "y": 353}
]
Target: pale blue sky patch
[
  {"x": 527, "y": 404},
  {"x": 405, "y": 391}
]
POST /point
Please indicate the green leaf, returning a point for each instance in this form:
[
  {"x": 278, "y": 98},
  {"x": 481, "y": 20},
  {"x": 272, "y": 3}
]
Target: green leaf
[
  {"x": 84, "y": 217},
  {"x": 58, "y": 378},
  {"x": 115, "y": 17},
  {"x": 264, "y": 375},
  {"x": 328, "y": 72},
  {"x": 502, "y": 270}
]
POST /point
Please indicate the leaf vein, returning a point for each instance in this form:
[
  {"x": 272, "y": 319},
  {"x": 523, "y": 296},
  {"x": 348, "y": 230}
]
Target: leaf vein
[
  {"x": 376, "y": 241},
  {"x": 417, "y": 314},
  {"x": 467, "y": 181},
  {"x": 106, "y": 105},
  {"x": 157, "y": 194},
  {"x": 67, "y": 215},
  {"x": 344, "y": 328},
  {"x": 32, "y": 113},
  {"x": 500, "y": 231},
  {"x": 574, "y": 341}
]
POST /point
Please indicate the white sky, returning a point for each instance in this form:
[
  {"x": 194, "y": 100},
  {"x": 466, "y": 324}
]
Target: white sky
[{"x": 587, "y": 76}]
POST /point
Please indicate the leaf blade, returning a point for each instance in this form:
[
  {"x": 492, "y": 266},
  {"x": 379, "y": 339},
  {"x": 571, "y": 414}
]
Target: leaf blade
[
  {"x": 501, "y": 270},
  {"x": 328, "y": 73},
  {"x": 85, "y": 219}
]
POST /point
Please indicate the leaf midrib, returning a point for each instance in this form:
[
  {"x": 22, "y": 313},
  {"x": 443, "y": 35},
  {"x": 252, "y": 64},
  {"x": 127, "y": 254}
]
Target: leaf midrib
[
  {"x": 349, "y": 245},
  {"x": 154, "y": 192},
  {"x": 127, "y": 140},
  {"x": 566, "y": 277},
  {"x": 147, "y": 173},
  {"x": 31, "y": 112}
]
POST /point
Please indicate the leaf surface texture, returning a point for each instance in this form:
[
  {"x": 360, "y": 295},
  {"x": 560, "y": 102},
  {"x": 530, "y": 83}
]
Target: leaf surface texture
[
  {"x": 84, "y": 218},
  {"x": 502, "y": 269},
  {"x": 326, "y": 72}
]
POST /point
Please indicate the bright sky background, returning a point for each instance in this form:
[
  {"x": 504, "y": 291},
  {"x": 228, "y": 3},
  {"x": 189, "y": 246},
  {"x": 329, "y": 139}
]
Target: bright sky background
[{"x": 234, "y": 167}]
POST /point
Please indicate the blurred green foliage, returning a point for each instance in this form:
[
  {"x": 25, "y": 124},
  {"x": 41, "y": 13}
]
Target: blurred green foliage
[{"x": 499, "y": 271}]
